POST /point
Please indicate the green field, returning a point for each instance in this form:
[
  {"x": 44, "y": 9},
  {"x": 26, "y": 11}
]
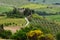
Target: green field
[
  {"x": 38, "y": 7},
  {"x": 43, "y": 7},
  {"x": 47, "y": 24},
  {"x": 13, "y": 2},
  {"x": 12, "y": 21},
  {"x": 5, "y": 8},
  {"x": 53, "y": 17},
  {"x": 43, "y": 23}
]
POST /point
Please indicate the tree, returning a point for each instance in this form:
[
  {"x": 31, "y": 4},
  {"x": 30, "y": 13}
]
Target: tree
[
  {"x": 1, "y": 28},
  {"x": 33, "y": 35},
  {"x": 6, "y": 34},
  {"x": 46, "y": 37},
  {"x": 28, "y": 12},
  {"x": 14, "y": 13},
  {"x": 58, "y": 36}
]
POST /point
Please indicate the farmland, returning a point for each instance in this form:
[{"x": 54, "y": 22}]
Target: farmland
[
  {"x": 44, "y": 24},
  {"x": 13, "y": 21},
  {"x": 25, "y": 20},
  {"x": 43, "y": 8},
  {"x": 13, "y": 2},
  {"x": 5, "y": 8},
  {"x": 54, "y": 17}
]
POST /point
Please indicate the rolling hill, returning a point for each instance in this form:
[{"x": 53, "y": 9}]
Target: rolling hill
[
  {"x": 13, "y": 2},
  {"x": 22, "y": 2},
  {"x": 43, "y": 7},
  {"x": 45, "y": 24},
  {"x": 46, "y": 1}
]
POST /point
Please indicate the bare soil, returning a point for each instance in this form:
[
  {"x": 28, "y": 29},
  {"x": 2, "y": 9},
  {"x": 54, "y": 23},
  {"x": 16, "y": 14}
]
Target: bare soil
[{"x": 12, "y": 28}]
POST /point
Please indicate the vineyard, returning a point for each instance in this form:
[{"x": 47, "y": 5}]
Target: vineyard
[{"x": 48, "y": 26}]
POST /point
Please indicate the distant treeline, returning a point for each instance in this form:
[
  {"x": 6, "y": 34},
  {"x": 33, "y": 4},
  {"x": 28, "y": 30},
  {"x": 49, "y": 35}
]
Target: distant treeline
[
  {"x": 56, "y": 3},
  {"x": 19, "y": 12},
  {"x": 45, "y": 13}
]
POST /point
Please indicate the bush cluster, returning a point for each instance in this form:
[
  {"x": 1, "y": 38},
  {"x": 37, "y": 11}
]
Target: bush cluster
[
  {"x": 6, "y": 34},
  {"x": 38, "y": 35},
  {"x": 14, "y": 13},
  {"x": 58, "y": 36},
  {"x": 29, "y": 33},
  {"x": 19, "y": 12}
]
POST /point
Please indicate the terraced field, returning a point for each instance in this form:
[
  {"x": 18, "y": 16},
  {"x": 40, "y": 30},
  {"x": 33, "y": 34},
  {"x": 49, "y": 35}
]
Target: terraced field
[
  {"x": 12, "y": 24},
  {"x": 12, "y": 21},
  {"x": 43, "y": 8},
  {"x": 50, "y": 26}
]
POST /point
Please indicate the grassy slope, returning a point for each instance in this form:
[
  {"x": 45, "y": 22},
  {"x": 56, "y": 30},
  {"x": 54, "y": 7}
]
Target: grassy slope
[
  {"x": 38, "y": 7},
  {"x": 5, "y": 8},
  {"x": 18, "y": 21},
  {"x": 6, "y": 5},
  {"x": 34, "y": 6},
  {"x": 51, "y": 26},
  {"x": 54, "y": 17},
  {"x": 41, "y": 7},
  {"x": 18, "y": 2},
  {"x": 14, "y": 2}
]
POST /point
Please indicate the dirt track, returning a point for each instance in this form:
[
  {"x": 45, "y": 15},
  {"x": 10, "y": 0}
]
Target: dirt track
[{"x": 14, "y": 28}]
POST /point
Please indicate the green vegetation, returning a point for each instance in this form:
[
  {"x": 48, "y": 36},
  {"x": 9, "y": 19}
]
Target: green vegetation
[
  {"x": 50, "y": 9},
  {"x": 14, "y": 2},
  {"x": 30, "y": 34},
  {"x": 6, "y": 34},
  {"x": 14, "y": 13},
  {"x": 34, "y": 6},
  {"x": 5, "y": 9},
  {"x": 12, "y": 21},
  {"x": 53, "y": 17},
  {"x": 1, "y": 28},
  {"x": 38, "y": 35},
  {"x": 47, "y": 26},
  {"x": 44, "y": 20},
  {"x": 58, "y": 36}
]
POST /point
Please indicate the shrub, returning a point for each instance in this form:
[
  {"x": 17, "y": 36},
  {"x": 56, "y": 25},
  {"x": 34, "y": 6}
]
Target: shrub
[
  {"x": 19, "y": 35},
  {"x": 10, "y": 23},
  {"x": 58, "y": 36},
  {"x": 14, "y": 13},
  {"x": 46, "y": 37},
  {"x": 33, "y": 35},
  {"x": 27, "y": 12},
  {"x": 6, "y": 24},
  {"x": 38, "y": 35},
  {"x": 1, "y": 28},
  {"x": 6, "y": 34}
]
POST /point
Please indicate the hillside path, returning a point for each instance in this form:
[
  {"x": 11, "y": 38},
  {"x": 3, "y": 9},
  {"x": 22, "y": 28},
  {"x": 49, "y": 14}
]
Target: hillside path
[{"x": 26, "y": 21}]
